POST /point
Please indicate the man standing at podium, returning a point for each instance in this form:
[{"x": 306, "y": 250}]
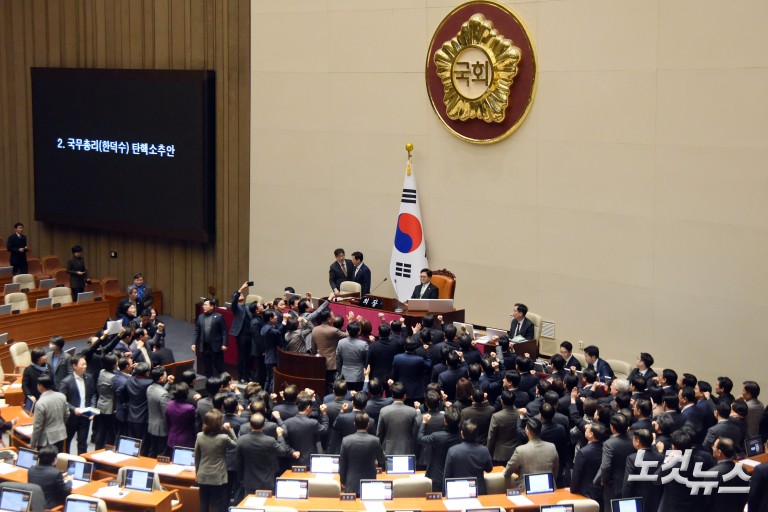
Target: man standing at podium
[
  {"x": 425, "y": 290},
  {"x": 341, "y": 270},
  {"x": 361, "y": 274}
]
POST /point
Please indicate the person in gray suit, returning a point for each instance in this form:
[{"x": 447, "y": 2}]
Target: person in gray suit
[
  {"x": 396, "y": 424},
  {"x": 502, "y": 434},
  {"x": 157, "y": 400},
  {"x": 351, "y": 358},
  {"x": 210, "y": 461},
  {"x": 59, "y": 362},
  {"x": 535, "y": 456},
  {"x": 257, "y": 453},
  {"x": 616, "y": 449},
  {"x": 360, "y": 453},
  {"x": 51, "y": 414},
  {"x": 304, "y": 431}
]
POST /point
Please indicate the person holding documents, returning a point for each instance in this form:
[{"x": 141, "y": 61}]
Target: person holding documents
[
  {"x": 80, "y": 390},
  {"x": 425, "y": 290}
]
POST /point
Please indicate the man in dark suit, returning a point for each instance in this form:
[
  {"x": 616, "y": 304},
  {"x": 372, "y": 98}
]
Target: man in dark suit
[
  {"x": 410, "y": 369},
  {"x": 480, "y": 412},
  {"x": 649, "y": 490},
  {"x": 361, "y": 274},
  {"x": 603, "y": 369},
  {"x": 724, "y": 428},
  {"x": 256, "y": 456},
  {"x": 643, "y": 368},
  {"x": 725, "y": 453},
  {"x": 758, "y": 488},
  {"x": 587, "y": 463},
  {"x": 80, "y": 390},
  {"x": 381, "y": 354},
  {"x": 616, "y": 449},
  {"x": 360, "y": 452},
  {"x": 143, "y": 292},
  {"x": 210, "y": 338},
  {"x": 425, "y": 290},
  {"x": 440, "y": 442},
  {"x": 161, "y": 355},
  {"x": 59, "y": 362},
  {"x": 135, "y": 395},
  {"x": 469, "y": 459},
  {"x": 17, "y": 247},
  {"x": 376, "y": 400},
  {"x": 677, "y": 494},
  {"x": 566, "y": 350},
  {"x": 521, "y": 326},
  {"x": 241, "y": 329},
  {"x": 303, "y": 430},
  {"x": 341, "y": 270},
  {"x": 55, "y": 487}
]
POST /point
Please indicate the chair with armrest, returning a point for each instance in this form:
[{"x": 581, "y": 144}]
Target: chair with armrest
[
  {"x": 414, "y": 487},
  {"x": 95, "y": 287},
  {"x": 18, "y": 301},
  {"x": 252, "y": 297},
  {"x": 350, "y": 287},
  {"x": 495, "y": 483},
  {"x": 111, "y": 287},
  {"x": 50, "y": 264},
  {"x": 61, "y": 276},
  {"x": 25, "y": 280},
  {"x": 20, "y": 355},
  {"x": 536, "y": 319},
  {"x": 445, "y": 281},
  {"x": 36, "y": 269},
  {"x": 621, "y": 369},
  {"x": 60, "y": 295},
  {"x": 63, "y": 458},
  {"x": 38, "y": 498},
  {"x": 318, "y": 488}
]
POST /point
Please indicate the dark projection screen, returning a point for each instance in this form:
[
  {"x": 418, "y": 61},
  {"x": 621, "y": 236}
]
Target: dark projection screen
[{"x": 125, "y": 150}]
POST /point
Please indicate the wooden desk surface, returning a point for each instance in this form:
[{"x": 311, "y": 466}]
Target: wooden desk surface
[
  {"x": 491, "y": 500},
  {"x": 13, "y": 393},
  {"x": 18, "y": 475},
  {"x": 159, "y": 501},
  {"x": 381, "y": 476},
  {"x": 184, "y": 478},
  {"x": 763, "y": 457},
  {"x": 37, "y": 327}
]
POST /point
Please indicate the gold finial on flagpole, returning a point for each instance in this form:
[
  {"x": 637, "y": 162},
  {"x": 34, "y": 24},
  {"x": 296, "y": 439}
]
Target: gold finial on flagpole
[{"x": 409, "y": 148}]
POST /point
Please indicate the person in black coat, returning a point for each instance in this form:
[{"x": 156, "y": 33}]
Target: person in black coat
[
  {"x": 642, "y": 440},
  {"x": 210, "y": 338},
  {"x": 56, "y": 487},
  {"x": 78, "y": 274},
  {"x": 18, "y": 248},
  {"x": 425, "y": 290},
  {"x": 359, "y": 455},
  {"x": 410, "y": 369},
  {"x": 341, "y": 270},
  {"x": 587, "y": 463},
  {"x": 79, "y": 421},
  {"x": 304, "y": 431},
  {"x": 725, "y": 453},
  {"x": 469, "y": 459},
  {"x": 361, "y": 274},
  {"x": 616, "y": 449},
  {"x": 381, "y": 354},
  {"x": 440, "y": 441},
  {"x": 241, "y": 330},
  {"x": 758, "y": 488},
  {"x": 31, "y": 374}
]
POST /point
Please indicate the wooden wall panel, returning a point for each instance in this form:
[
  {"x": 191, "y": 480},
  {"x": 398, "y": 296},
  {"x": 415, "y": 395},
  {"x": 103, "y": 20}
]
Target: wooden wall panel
[{"x": 146, "y": 34}]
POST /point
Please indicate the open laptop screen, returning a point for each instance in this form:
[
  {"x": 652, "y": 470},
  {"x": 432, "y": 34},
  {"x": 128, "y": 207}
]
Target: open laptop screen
[
  {"x": 27, "y": 458},
  {"x": 375, "y": 489},
  {"x": 754, "y": 446},
  {"x": 139, "y": 480},
  {"x": 287, "y": 489},
  {"x": 128, "y": 446},
  {"x": 323, "y": 463},
  {"x": 85, "y": 297},
  {"x": 460, "y": 488},
  {"x": 183, "y": 456},
  {"x": 78, "y": 505},
  {"x": 401, "y": 464},
  {"x": 15, "y": 500},
  {"x": 537, "y": 483},
  {"x": 80, "y": 470},
  {"x": 627, "y": 505}
]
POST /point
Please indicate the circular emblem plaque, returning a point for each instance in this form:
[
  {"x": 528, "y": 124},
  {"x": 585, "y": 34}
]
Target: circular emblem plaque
[{"x": 481, "y": 72}]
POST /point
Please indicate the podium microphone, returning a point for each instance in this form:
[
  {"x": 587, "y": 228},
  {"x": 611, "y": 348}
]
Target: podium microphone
[{"x": 381, "y": 283}]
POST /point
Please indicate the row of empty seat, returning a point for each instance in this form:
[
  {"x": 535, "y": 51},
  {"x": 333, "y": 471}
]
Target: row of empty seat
[{"x": 20, "y": 302}]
